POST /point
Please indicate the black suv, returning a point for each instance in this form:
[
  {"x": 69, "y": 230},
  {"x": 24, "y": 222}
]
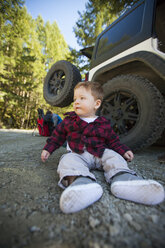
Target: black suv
[{"x": 128, "y": 59}]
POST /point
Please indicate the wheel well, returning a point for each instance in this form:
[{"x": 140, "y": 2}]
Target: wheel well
[{"x": 137, "y": 68}]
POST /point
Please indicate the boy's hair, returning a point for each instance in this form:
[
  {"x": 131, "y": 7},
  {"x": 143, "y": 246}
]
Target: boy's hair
[{"x": 95, "y": 87}]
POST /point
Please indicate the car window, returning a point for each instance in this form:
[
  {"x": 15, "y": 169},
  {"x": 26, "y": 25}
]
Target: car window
[{"x": 121, "y": 31}]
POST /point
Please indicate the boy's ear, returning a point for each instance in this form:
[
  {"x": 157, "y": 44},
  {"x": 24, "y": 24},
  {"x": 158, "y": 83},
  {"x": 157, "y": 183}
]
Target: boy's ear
[{"x": 98, "y": 103}]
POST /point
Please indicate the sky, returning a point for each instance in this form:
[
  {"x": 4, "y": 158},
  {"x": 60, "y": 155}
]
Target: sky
[{"x": 64, "y": 12}]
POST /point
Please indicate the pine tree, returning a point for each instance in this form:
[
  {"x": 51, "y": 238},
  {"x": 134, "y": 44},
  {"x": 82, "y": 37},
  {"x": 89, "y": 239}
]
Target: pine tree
[{"x": 28, "y": 48}]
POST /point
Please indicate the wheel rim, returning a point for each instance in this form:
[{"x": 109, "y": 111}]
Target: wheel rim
[
  {"x": 56, "y": 83},
  {"x": 122, "y": 108}
]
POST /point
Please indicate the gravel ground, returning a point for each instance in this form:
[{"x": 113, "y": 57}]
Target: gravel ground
[{"x": 30, "y": 216}]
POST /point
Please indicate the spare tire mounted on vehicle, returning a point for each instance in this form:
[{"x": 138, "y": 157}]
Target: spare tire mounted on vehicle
[{"x": 60, "y": 82}]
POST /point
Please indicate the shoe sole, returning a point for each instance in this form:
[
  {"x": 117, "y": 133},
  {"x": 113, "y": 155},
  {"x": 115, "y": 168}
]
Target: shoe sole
[
  {"x": 78, "y": 197},
  {"x": 147, "y": 192}
]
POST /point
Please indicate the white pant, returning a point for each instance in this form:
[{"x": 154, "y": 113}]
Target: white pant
[{"x": 73, "y": 164}]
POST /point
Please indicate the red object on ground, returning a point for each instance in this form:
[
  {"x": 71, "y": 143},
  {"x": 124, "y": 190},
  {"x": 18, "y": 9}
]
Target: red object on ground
[{"x": 43, "y": 128}]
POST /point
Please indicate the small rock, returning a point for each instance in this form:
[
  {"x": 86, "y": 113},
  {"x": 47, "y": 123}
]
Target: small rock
[
  {"x": 51, "y": 235},
  {"x": 114, "y": 230},
  {"x": 52, "y": 210},
  {"x": 34, "y": 229},
  {"x": 128, "y": 206},
  {"x": 154, "y": 218},
  {"x": 45, "y": 209},
  {"x": 128, "y": 217},
  {"x": 93, "y": 222},
  {"x": 93, "y": 245},
  {"x": 136, "y": 226}
]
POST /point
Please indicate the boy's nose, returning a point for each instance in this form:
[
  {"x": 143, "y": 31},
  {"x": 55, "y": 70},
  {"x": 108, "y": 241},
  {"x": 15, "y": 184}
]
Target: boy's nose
[{"x": 76, "y": 102}]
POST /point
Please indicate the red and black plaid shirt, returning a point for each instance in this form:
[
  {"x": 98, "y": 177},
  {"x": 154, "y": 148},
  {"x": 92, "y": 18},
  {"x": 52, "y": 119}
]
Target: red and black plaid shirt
[{"x": 95, "y": 136}]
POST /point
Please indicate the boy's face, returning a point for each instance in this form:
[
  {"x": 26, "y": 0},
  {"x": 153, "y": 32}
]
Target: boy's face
[{"x": 84, "y": 103}]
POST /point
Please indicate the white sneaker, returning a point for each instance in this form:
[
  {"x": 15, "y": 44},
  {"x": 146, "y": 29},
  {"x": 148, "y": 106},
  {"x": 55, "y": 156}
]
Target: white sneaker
[
  {"x": 147, "y": 192},
  {"x": 79, "y": 196}
]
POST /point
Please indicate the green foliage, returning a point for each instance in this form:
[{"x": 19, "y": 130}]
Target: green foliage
[
  {"x": 91, "y": 22},
  {"x": 28, "y": 48}
]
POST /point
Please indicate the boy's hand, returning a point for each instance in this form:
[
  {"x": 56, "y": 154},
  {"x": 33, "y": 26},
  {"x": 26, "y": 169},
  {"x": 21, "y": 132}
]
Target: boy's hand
[
  {"x": 44, "y": 155},
  {"x": 128, "y": 156}
]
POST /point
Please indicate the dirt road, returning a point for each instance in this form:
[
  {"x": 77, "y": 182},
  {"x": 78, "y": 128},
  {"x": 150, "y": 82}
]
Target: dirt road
[{"x": 30, "y": 216}]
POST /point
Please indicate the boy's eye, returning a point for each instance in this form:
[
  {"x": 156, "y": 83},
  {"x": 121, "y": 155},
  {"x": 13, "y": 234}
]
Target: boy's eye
[{"x": 81, "y": 98}]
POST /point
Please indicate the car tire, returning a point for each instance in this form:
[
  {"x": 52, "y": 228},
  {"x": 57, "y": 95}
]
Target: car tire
[
  {"x": 60, "y": 82},
  {"x": 136, "y": 109}
]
